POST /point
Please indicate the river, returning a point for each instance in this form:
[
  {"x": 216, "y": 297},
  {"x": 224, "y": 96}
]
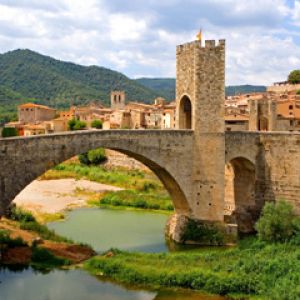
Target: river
[{"x": 103, "y": 229}]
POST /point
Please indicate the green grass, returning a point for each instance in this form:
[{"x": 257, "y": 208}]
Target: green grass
[
  {"x": 129, "y": 179},
  {"x": 28, "y": 222},
  {"x": 251, "y": 269},
  {"x": 6, "y": 240},
  {"x": 135, "y": 199}
]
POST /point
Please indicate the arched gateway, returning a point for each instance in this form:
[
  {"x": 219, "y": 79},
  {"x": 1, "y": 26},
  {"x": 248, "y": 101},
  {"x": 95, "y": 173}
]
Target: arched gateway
[{"x": 189, "y": 162}]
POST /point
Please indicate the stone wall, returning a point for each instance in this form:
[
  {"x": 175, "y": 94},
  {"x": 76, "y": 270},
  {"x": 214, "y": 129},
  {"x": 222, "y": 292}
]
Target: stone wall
[
  {"x": 118, "y": 159},
  {"x": 276, "y": 157}
]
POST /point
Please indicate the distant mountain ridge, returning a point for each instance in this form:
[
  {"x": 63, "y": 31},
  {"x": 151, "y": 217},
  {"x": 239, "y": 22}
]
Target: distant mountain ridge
[
  {"x": 166, "y": 87},
  {"x": 26, "y": 75}
]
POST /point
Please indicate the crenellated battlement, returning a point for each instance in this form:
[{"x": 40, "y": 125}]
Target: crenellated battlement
[{"x": 208, "y": 44}]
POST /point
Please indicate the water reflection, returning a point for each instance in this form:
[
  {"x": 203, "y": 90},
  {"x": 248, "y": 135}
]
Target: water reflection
[{"x": 77, "y": 284}]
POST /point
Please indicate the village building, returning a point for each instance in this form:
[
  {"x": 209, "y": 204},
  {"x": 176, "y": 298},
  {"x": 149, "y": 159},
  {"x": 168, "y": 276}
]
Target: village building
[{"x": 35, "y": 113}]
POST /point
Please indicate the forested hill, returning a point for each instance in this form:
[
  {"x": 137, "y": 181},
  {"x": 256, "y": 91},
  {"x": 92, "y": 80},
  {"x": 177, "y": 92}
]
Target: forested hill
[
  {"x": 166, "y": 87},
  {"x": 56, "y": 82}
]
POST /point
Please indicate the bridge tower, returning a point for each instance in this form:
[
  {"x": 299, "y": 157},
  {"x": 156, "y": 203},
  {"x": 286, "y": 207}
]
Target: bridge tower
[{"x": 200, "y": 94}]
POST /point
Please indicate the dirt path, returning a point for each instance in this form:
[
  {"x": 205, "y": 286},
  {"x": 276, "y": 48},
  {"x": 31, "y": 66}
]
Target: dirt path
[{"x": 51, "y": 196}]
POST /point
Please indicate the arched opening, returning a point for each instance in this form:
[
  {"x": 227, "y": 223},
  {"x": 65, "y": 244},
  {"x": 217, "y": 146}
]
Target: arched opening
[
  {"x": 263, "y": 124},
  {"x": 143, "y": 187},
  {"x": 168, "y": 181},
  {"x": 185, "y": 113},
  {"x": 240, "y": 203}
]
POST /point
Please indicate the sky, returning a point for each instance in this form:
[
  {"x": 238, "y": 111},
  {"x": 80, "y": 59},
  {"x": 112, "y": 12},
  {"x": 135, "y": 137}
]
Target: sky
[{"x": 139, "y": 37}]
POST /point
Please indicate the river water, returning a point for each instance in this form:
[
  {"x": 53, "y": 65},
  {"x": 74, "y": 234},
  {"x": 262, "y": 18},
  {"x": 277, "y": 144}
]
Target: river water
[{"x": 103, "y": 229}]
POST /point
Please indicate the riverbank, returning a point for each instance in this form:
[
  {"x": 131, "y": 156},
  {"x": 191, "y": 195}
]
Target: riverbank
[
  {"x": 23, "y": 241},
  {"x": 253, "y": 270}
]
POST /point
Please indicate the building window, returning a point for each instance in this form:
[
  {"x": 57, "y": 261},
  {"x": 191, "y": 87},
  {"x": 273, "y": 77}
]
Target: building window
[{"x": 291, "y": 107}]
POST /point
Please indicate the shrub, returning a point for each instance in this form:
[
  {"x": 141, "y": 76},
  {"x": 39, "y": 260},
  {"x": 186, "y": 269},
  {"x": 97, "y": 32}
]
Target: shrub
[
  {"x": 206, "y": 234},
  {"x": 97, "y": 156},
  {"x": 80, "y": 125},
  {"x": 83, "y": 158},
  {"x": 298, "y": 92},
  {"x": 93, "y": 157},
  {"x": 74, "y": 124},
  {"x": 278, "y": 223},
  {"x": 9, "y": 132},
  {"x": 97, "y": 124},
  {"x": 19, "y": 215},
  {"x": 43, "y": 231}
]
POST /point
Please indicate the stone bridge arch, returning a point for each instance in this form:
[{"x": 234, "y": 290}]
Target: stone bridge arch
[
  {"x": 240, "y": 194},
  {"x": 25, "y": 159}
]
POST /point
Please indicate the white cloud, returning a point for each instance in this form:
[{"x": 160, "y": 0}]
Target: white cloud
[
  {"x": 138, "y": 37},
  {"x": 296, "y": 13}
]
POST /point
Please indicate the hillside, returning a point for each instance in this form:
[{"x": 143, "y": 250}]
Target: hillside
[
  {"x": 57, "y": 82},
  {"x": 244, "y": 89},
  {"x": 166, "y": 87}
]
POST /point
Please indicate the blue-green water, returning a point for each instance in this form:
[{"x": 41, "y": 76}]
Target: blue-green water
[{"x": 103, "y": 229}]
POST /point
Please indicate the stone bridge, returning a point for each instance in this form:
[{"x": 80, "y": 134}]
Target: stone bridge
[
  {"x": 213, "y": 176},
  {"x": 258, "y": 167}
]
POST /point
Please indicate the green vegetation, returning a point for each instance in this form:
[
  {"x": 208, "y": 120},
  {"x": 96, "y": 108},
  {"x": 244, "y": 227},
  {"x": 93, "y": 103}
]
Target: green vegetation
[
  {"x": 278, "y": 223},
  {"x": 134, "y": 199},
  {"x": 253, "y": 268},
  {"x": 298, "y": 92},
  {"x": 294, "y": 77},
  {"x": 204, "y": 233},
  {"x": 6, "y": 240},
  {"x": 93, "y": 157},
  {"x": 9, "y": 132},
  {"x": 97, "y": 124},
  {"x": 165, "y": 87},
  {"x": 120, "y": 177},
  {"x": 28, "y": 222},
  {"x": 76, "y": 125}
]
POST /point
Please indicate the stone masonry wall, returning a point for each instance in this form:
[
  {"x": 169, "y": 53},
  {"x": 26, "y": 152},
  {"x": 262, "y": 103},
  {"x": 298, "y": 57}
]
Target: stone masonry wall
[
  {"x": 201, "y": 78},
  {"x": 276, "y": 157}
]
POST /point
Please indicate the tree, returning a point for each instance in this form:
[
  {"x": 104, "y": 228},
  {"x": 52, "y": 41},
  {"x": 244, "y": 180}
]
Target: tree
[
  {"x": 93, "y": 157},
  {"x": 294, "y": 77},
  {"x": 97, "y": 124},
  {"x": 76, "y": 125},
  {"x": 278, "y": 222},
  {"x": 9, "y": 132},
  {"x": 79, "y": 125}
]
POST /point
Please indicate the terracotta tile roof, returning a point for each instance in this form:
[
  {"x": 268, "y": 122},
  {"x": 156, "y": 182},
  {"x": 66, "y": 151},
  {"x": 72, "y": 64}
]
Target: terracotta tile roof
[{"x": 31, "y": 105}]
